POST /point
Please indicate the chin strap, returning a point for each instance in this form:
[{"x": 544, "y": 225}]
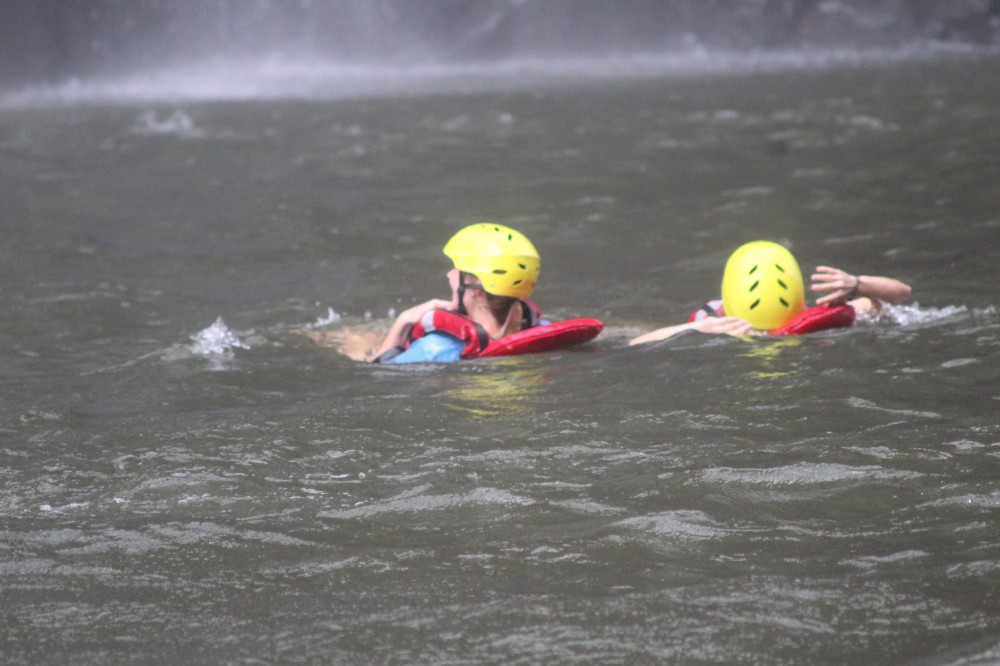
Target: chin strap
[{"x": 461, "y": 299}]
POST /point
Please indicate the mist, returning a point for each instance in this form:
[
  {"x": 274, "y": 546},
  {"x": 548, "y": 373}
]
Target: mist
[
  {"x": 141, "y": 51},
  {"x": 54, "y": 42}
]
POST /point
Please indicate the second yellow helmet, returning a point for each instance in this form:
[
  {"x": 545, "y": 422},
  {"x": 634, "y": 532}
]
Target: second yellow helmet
[
  {"x": 502, "y": 258},
  {"x": 762, "y": 284}
]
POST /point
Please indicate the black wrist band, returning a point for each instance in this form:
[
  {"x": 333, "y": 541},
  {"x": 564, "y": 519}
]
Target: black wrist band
[{"x": 854, "y": 292}]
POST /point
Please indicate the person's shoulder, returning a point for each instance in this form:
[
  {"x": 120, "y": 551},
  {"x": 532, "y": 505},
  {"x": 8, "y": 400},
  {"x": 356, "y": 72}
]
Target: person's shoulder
[{"x": 865, "y": 305}]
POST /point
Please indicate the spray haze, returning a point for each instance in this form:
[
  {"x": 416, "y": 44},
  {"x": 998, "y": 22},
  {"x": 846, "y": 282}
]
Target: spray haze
[{"x": 227, "y": 49}]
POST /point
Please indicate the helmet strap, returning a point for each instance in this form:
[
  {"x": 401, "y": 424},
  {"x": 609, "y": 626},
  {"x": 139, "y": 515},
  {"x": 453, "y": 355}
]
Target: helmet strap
[{"x": 463, "y": 286}]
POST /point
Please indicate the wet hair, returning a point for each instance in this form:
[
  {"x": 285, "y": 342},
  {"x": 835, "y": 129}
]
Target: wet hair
[{"x": 499, "y": 305}]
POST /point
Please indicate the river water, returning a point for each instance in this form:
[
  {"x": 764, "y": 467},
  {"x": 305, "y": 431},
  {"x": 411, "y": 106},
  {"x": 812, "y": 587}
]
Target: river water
[{"x": 185, "y": 477}]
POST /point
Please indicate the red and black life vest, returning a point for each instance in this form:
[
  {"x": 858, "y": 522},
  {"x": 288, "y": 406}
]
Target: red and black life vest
[{"x": 534, "y": 336}]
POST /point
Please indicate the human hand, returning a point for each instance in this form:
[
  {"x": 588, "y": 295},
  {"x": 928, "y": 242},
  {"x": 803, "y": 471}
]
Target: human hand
[
  {"x": 837, "y": 285},
  {"x": 730, "y": 325}
]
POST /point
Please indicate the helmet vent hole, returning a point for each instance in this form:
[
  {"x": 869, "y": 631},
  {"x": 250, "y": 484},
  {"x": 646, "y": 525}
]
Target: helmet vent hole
[
  {"x": 755, "y": 304},
  {"x": 783, "y": 302},
  {"x": 754, "y": 285},
  {"x": 522, "y": 267},
  {"x": 499, "y": 271},
  {"x": 783, "y": 285},
  {"x": 778, "y": 266},
  {"x": 752, "y": 271},
  {"x": 517, "y": 282}
]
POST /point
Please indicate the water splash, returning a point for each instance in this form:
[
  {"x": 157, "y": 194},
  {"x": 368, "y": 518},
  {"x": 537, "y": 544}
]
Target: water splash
[
  {"x": 216, "y": 341},
  {"x": 914, "y": 316},
  {"x": 177, "y": 123},
  {"x": 332, "y": 317}
]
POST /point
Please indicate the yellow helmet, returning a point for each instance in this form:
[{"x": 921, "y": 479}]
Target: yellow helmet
[
  {"x": 763, "y": 285},
  {"x": 503, "y": 259}
]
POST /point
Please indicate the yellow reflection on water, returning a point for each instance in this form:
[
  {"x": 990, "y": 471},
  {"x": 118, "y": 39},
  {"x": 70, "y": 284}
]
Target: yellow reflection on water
[
  {"x": 498, "y": 391},
  {"x": 768, "y": 352}
]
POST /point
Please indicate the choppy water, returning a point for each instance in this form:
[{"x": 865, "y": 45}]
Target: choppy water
[{"x": 185, "y": 478}]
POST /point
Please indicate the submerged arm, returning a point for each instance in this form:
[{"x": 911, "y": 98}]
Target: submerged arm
[{"x": 730, "y": 325}]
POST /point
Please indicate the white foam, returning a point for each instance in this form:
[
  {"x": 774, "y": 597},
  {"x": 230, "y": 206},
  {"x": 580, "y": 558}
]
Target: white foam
[
  {"x": 803, "y": 474},
  {"x": 408, "y": 503},
  {"x": 681, "y": 525},
  {"x": 914, "y": 315}
]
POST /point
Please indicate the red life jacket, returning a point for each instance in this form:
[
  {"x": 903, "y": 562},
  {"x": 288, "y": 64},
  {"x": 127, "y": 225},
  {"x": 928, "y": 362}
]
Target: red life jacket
[
  {"x": 818, "y": 318},
  {"x": 810, "y": 320},
  {"x": 533, "y": 336}
]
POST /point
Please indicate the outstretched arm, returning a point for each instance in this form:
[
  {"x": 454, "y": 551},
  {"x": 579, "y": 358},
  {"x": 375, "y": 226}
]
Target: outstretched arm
[
  {"x": 838, "y": 286},
  {"x": 730, "y": 325}
]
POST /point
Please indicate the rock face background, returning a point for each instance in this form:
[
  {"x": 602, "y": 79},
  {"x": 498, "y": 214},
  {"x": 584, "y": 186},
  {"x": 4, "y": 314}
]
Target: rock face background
[{"x": 52, "y": 42}]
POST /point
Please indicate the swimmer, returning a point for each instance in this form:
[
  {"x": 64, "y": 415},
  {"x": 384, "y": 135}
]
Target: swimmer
[
  {"x": 495, "y": 270},
  {"x": 762, "y": 292}
]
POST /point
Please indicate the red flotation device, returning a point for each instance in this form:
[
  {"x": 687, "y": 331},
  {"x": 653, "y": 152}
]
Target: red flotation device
[
  {"x": 535, "y": 337},
  {"x": 546, "y": 337},
  {"x": 810, "y": 320},
  {"x": 452, "y": 323},
  {"x": 818, "y": 318}
]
